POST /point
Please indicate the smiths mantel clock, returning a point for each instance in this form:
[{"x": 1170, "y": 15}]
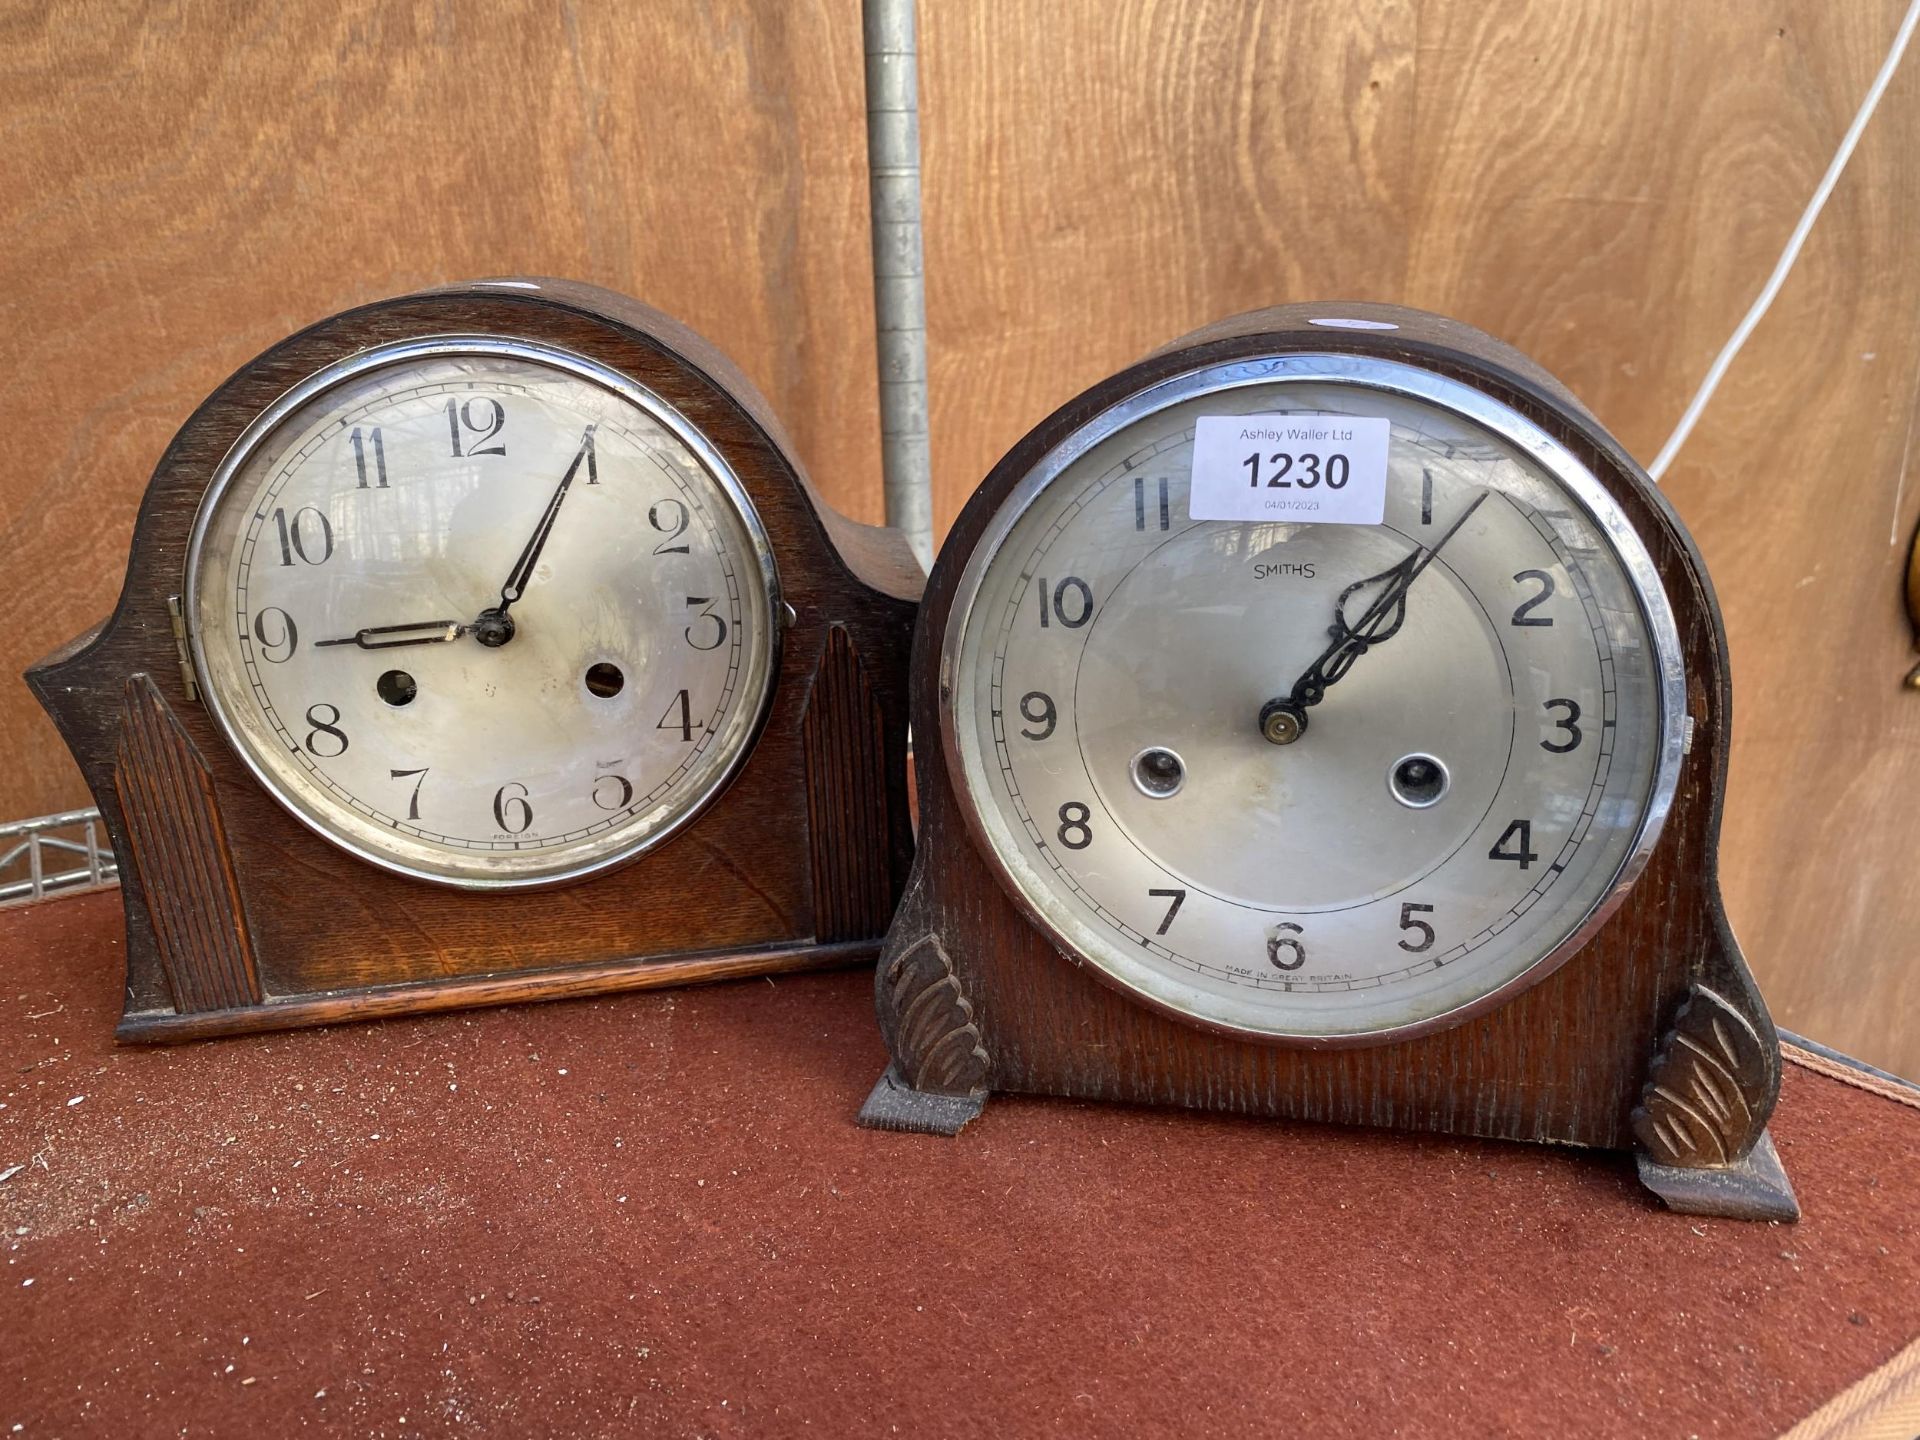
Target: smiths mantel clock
[
  {"x": 487, "y": 644},
  {"x": 1326, "y": 718}
]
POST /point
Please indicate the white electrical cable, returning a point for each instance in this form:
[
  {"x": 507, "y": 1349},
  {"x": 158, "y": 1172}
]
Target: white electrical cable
[{"x": 1724, "y": 360}]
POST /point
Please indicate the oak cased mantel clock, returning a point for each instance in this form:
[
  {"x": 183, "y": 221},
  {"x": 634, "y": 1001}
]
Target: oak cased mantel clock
[
  {"x": 489, "y": 644},
  {"x": 1325, "y": 718}
]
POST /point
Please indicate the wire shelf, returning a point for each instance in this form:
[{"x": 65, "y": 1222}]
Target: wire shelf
[{"x": 54, "y": 855}]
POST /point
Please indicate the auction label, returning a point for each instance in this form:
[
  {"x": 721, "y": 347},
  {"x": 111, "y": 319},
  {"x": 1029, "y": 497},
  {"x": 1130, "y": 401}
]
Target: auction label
[{"x": 1314, "y": 469}]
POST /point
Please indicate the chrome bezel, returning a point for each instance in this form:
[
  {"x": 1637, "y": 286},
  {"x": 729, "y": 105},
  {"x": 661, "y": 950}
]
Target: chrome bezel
[
  {"x": 1367, "y": 372},
  {"x": 455, "y": 346}
]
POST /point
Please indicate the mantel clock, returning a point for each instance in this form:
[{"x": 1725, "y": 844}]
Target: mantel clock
[
  {"x": 1326, "y": 718},
  {"x": 486, "y": 644}
]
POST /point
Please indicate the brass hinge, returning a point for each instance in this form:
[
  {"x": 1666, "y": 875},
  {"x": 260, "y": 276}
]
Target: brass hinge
[{"x": 181, "y": 647}]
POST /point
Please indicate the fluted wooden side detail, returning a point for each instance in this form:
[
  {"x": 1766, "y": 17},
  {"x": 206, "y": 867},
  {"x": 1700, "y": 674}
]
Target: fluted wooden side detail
[
  {"x": 847, "y": 797},
  {"x": 180, "y": 848}
]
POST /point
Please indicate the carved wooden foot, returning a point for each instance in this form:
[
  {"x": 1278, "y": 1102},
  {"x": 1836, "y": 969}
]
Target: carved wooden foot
[
  {"x": 1755, "y": 1187},
  {"x": 937, "y": 1080},
  {"x": 896, "y": 1105},
  {"x": 1701, "y": 1123}
]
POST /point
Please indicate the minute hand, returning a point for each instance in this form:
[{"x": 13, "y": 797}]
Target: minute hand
[
  {"x": 1380, "y": 622},
  {"x": 529, "y": 557}
]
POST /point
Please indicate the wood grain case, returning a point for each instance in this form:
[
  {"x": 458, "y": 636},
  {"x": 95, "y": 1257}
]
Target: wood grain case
[
  {"x": 239, "y": 918},
  {"x": 973, "y": 997}
]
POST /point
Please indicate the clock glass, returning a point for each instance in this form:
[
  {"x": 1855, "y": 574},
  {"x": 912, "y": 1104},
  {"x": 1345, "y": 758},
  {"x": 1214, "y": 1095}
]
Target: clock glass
[
  {"x": 1326, "y": 783},
  {"x": 483, "y": 612}
]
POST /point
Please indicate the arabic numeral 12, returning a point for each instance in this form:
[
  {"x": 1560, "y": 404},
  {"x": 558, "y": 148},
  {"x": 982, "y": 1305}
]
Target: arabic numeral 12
[{"x": 473, "y": 423}]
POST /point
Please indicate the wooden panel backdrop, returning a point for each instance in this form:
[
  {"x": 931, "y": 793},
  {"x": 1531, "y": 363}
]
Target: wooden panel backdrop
[
  {"x": 184, "y": 184},
  {"x": 1604, "y": 183}
]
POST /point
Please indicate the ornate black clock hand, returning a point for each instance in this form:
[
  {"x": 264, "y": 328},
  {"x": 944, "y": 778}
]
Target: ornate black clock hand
[
  {"x": 1284, "y": 719},
  {"x": 391, "y": 637},
  {"x": 494, "y": 626}
]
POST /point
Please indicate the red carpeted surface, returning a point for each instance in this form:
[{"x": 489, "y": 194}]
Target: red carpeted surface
[{"x": 655, "y": 1215}]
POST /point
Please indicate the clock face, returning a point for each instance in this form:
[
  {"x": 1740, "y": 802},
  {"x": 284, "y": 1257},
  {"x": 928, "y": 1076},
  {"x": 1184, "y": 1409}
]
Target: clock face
[
  {"x": 1325, "y": 783},
  {"x": 482, "y": 612}
]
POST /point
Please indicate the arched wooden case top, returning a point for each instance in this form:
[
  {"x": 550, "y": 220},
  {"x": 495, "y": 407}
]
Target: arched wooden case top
[
  {"x": 1651, "y": 1036},
  {"x": 241, "y": 918}
]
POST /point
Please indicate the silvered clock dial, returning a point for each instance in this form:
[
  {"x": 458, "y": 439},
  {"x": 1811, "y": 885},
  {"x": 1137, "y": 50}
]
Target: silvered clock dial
[
  {"x": 482, "y": 611},
  {"x": 1321, "y": 782},
  {"x": 1319, "y": 686}
]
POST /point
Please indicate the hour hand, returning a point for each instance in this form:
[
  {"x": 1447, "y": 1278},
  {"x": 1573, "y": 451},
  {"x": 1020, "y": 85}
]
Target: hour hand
[
  {"x": 391, "y": 637},
  {"x": 1283, "y": 719}
]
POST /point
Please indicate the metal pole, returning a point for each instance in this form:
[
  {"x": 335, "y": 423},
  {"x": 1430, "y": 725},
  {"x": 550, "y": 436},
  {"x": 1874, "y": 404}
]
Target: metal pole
[{"x": 899, "y": 279}]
